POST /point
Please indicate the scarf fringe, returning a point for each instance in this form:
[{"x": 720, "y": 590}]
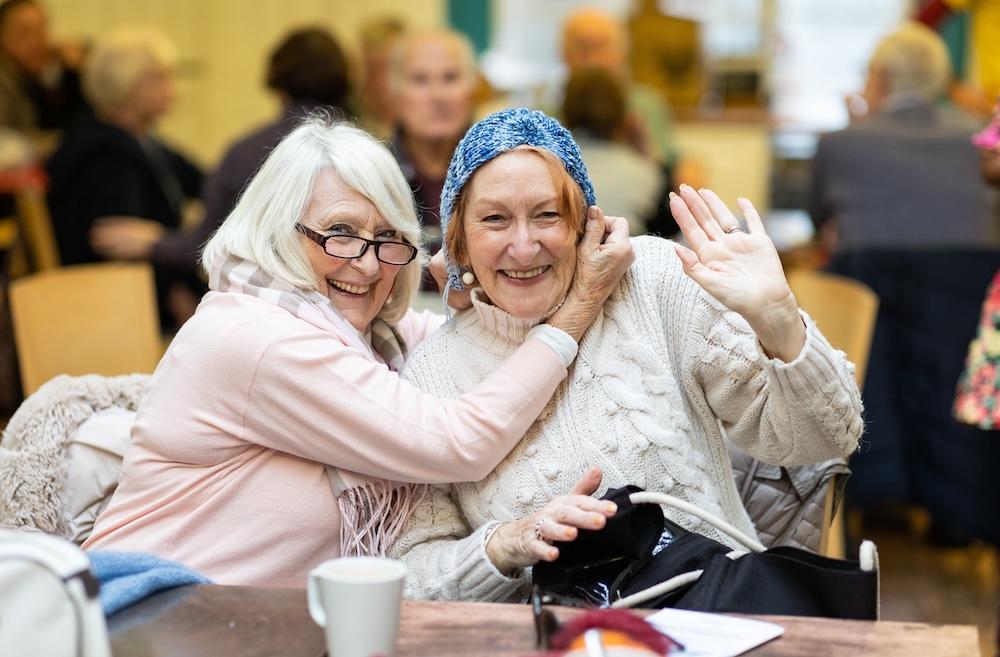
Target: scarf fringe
[{"x": 373, "y": 516}]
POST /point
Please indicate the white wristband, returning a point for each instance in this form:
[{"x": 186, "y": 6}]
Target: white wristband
[{"x": 557, "y": 340}]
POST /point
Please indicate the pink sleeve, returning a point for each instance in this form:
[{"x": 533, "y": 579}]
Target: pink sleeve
[
  {"x": 414, "y": 326},
  {"x": 316, "y": 398}
]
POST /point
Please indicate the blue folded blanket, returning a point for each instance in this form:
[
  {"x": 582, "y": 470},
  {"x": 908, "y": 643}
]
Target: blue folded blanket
[{"x": 128, "y": 577}]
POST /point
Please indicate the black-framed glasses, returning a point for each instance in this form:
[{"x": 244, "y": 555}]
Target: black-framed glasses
[{"x": 349, "y": 247}]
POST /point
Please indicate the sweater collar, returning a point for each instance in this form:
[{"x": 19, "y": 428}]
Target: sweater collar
[{"x": 487, "y": 319}]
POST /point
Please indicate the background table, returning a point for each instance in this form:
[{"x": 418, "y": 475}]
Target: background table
[{"x": 223, "y": 621}]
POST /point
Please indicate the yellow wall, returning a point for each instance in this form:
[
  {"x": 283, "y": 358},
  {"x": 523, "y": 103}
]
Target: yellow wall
[{"x": 223, "y": 46}]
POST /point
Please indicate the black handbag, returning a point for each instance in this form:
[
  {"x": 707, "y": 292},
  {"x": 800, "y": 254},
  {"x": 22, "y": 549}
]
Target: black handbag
[{"x": 642, "y": 559}]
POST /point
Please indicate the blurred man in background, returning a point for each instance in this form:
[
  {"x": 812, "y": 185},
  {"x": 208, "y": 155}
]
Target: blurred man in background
[
  {"x": 906, "y": 175},
  {"x": 433, "y": 79},
  {"x": 39, "y": 82}
]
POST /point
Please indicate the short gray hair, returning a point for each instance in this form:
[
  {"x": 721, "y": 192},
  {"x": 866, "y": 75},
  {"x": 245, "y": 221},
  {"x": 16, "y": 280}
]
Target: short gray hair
[
  {"x": 261, "y": 228},
  {"x": 119, "y": 60},
  {"x": 397, "y": 55},
  {"x": 913, "y": 59}
]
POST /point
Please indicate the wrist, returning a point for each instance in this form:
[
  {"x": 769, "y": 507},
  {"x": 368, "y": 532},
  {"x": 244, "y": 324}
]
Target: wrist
[
  {"x": 494, "y": 549},
  {"x": 780, "y": 329},
  {"x": 574, "y": 316}
]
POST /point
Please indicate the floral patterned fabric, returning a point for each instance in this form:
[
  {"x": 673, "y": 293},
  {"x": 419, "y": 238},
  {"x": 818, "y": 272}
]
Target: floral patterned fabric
[{"x": 978, "y": 399}]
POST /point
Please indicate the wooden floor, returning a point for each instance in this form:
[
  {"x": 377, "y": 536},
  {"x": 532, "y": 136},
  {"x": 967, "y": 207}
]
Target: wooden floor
[{"x": 926, "y": 583}]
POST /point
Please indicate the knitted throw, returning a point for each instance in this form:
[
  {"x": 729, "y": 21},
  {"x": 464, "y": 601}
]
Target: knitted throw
[{"x": 373, "y": 511}]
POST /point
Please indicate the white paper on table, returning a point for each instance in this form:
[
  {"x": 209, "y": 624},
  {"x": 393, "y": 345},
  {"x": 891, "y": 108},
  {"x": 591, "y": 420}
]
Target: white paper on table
[{"x": 713, "y": 635}]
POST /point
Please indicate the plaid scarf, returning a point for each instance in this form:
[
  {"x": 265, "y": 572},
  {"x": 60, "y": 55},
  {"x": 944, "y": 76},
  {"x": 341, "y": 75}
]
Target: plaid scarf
[{"x": 373, "y": 511}]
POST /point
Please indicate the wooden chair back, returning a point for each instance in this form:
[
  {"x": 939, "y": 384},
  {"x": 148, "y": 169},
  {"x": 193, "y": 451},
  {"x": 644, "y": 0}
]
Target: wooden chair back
[
  {"x": 85, "y": 319},
  {"x": 843, "y": 308}
]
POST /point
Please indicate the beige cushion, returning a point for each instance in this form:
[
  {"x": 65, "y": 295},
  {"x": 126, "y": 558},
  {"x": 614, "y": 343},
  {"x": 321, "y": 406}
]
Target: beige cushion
[{"x": 94, "y": 461}]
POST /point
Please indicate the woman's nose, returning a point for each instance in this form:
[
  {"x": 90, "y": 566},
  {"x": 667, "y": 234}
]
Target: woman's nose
[
  {"x": 367, "y": 263},
  {"x": 524, "y": 245}
]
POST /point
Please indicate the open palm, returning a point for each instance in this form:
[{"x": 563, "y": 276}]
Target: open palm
[{"x": 739, "y": 268}]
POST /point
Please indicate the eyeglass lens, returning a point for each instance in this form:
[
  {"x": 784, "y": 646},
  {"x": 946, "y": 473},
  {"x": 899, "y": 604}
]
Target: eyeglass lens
[{"x": 348, "y": 246}]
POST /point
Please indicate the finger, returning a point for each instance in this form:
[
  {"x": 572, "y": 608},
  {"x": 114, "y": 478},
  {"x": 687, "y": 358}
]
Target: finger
[
  {"x": 616, "y": 230},
  {"x": 542, "y": 551},
  {"x": 694, "y": 268},
  {"x": 593, "y": 231},
  {"x": 437, "y": 268},
  {"x": 588, "y": 483},
  {"x": 689, "y": 226},
  {"x": 722, "y": 214},
  {"x": 754, "y": 223},
  {"x": 573, "y": 512},
  {"x": 701, "y": 212}
]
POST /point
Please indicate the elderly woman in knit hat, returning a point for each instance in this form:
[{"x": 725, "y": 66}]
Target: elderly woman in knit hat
[
  {"x": 695, "y": 341},
  {"x": 276, "y": 423}
]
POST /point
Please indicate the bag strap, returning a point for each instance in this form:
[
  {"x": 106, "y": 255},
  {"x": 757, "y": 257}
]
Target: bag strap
[
  {"x": 657, "y": 590},
  {"x": 647, "y": 497}
]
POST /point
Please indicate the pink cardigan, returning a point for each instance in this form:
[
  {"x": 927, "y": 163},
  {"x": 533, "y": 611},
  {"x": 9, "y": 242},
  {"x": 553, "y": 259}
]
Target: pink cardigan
[{"x": 226, "y": 470}]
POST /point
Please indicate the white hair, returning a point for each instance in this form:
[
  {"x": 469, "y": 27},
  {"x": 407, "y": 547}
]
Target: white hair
[
  {"x": 261, "y": 228},
  {"x": 913, "y": 59},
  {"x": 118, "y": 62},
  {"x": 397, "y": 55}
]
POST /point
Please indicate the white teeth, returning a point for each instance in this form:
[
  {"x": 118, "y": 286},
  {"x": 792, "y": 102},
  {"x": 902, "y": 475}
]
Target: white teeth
[
  {"x": 531, "y": 273},
  {"x": 347, "y": 287}
]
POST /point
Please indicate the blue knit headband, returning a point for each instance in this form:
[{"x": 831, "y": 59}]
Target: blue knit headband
[{"x": 499, "y": 133}]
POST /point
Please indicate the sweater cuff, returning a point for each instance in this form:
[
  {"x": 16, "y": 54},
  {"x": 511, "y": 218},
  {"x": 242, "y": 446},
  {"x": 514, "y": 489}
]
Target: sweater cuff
[
  {"x": 558, "y": 340},
  {"x": 481, "y": 580}
]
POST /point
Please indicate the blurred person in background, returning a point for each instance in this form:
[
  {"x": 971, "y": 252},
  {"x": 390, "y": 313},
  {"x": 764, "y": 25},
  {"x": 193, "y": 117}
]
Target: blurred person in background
[
  {"x": 906, "y": 175},
  {"x": 377, "y": 40},
  {"x": 594, "y": 38},
  {"x": 628, "y": 184},
  {"x": 433, "y": 79},
  {"x": 308, "y": 72},
  {"x": 39, "y": 80},
  {"x": 110, "y": 163}
]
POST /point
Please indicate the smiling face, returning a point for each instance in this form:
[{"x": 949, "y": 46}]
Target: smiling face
[
  {"x": 358, "y": 287},
  {"x": 519, "y": 240}
]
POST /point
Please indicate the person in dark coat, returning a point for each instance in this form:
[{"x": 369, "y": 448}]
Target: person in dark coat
[
  {"x": 309, "y": 72},
  {"x": 111, "y": 164},
  {"x": 906, "y": 175},
  {"x": 40, "y": 91}
]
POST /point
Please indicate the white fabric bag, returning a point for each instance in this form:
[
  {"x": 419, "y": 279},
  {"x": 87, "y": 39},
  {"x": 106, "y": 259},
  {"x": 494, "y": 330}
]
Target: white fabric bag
[{"x": 48, "y": 599}]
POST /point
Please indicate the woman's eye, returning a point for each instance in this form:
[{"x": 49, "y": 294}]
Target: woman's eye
[
  {"x": 387, "y": 236},
  {"x": 493, "y": 218},
  {"x": 341, "y": 229},
  {"x": 550, "y": 214}
]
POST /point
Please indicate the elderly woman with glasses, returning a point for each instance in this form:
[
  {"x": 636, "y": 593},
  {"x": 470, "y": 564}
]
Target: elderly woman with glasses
[
  {"x": 276, "y": 421},
  {"x": 695, "y": 344}
]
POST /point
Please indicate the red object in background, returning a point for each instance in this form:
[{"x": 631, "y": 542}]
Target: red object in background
[
  {"x": 630, "y": 628},
  {"x": 30, "y": 177},
  {"x": 932, "y": 13}
]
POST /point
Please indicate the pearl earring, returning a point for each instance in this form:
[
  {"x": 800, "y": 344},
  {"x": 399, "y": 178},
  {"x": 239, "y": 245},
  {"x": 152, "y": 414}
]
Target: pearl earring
[{"x": 468, "y": 278}]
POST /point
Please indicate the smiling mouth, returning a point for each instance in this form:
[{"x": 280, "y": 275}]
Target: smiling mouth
[
  {"x": 525, "y": 275},
  {"x": 355, "y": 290}
]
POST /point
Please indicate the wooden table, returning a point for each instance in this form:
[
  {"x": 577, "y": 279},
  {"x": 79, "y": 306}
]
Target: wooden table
[{"x": 223, "y": 621}]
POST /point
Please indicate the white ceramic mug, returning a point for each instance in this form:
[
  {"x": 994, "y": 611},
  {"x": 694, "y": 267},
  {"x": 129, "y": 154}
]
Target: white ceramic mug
[{"x": 356, "y": 600}]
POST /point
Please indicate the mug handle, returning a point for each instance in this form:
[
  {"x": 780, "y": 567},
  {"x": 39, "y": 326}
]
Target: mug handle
[{"x": 315, "y": 601}]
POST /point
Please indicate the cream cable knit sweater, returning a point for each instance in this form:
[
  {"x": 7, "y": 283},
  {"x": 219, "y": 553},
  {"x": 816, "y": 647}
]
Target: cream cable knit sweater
[{"x": 659, "y": 370}]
